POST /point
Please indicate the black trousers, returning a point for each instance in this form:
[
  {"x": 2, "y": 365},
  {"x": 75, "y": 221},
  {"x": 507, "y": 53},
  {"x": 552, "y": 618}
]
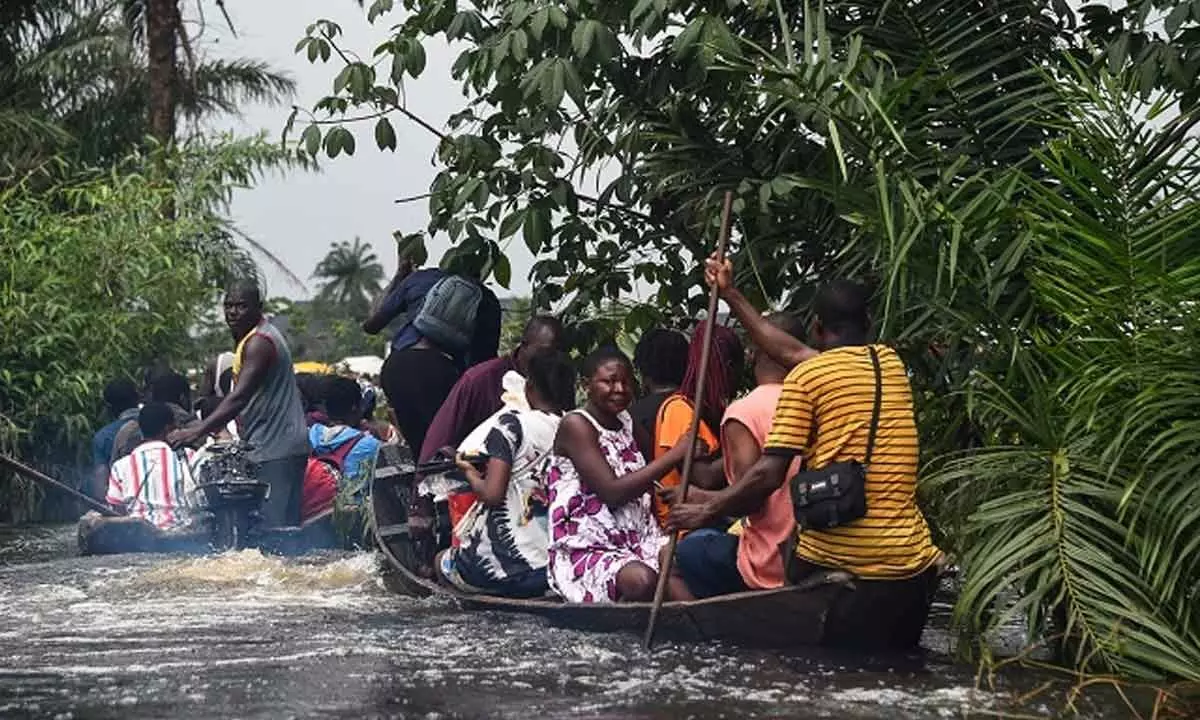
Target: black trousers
[{"x": 416, "y": 382}]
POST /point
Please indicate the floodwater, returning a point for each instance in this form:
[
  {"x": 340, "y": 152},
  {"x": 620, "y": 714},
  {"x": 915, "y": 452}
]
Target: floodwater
[{"x": 244, "y": 635}]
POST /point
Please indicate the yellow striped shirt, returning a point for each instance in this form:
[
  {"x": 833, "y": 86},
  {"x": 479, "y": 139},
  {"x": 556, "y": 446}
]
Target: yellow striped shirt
[{"x": 824, "y": 413}]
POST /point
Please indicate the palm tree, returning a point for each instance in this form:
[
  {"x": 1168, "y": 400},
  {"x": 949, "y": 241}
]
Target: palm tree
[
  {"x": 352, "y": 276},
  {"x": 76, "y": 80},
  {"x": 75, "y": 95}
]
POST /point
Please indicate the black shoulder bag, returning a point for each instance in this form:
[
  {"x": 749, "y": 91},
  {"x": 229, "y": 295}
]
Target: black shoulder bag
[{"x": 837, "y": 494}]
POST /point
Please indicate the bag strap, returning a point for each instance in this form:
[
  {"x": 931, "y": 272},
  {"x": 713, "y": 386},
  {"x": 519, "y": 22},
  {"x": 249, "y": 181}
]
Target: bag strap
[{"x": 878, "y": 403}]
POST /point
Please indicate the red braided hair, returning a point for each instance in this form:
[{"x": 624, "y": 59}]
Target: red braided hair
[{"x": 724, "y": 362}]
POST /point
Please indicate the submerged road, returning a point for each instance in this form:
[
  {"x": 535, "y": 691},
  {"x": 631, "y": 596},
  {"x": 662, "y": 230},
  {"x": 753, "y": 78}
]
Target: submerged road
[{"x": 244, "y": 635}]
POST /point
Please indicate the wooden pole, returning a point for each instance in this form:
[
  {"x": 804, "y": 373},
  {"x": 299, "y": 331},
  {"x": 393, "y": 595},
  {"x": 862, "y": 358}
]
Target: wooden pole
[
  {"x": 664, "y": 573},
  {"x": 32, "y": 474}
]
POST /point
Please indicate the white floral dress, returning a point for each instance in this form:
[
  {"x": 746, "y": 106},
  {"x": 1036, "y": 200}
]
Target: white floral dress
[{"x": 589, "y": 541}]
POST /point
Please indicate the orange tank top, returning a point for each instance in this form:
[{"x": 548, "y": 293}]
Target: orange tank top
[{"x": 673, "y": 422}]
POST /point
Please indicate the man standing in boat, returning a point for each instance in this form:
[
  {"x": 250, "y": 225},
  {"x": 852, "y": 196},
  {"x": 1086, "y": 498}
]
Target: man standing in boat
[
  {"x": 452, "y": 322},
  {"x": 852, "y": 402},
  {"x": 265, "y": 401}
]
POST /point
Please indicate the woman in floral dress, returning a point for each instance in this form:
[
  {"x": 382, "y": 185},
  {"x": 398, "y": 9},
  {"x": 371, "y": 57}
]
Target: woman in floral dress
[{"x": 604, "y": 541}]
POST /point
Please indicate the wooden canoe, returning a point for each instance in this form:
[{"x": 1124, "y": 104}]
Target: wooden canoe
[
  {"x": 99, "y": 535},
  {"x": 830, "y": 608}
]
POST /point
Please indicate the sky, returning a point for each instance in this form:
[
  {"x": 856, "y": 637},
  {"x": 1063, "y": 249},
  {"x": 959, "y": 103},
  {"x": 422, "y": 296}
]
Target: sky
[{"x": 297, "y": 216}]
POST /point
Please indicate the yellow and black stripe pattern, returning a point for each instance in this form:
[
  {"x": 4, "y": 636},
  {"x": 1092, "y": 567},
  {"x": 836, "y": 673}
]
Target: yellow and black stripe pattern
[{"x": 824, "y": 413}]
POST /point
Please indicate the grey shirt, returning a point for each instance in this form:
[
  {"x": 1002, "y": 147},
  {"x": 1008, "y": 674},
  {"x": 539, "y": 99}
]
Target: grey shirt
[
  {"x": 273, "y": 421},
  {"x": 130, "y": 434}
]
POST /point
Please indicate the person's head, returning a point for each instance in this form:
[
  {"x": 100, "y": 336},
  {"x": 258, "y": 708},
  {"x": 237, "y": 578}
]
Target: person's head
[
  {"x": 550, "y": 383},
  {"x": 766, "y": 370},
  {"x": 155, "y": 420},
  {"x": 343, "y": 399},
  {"x": 608, "y": 380},
  {"x": 312, "y": 390},
  {"x": 243, "y": 307},
  {"x": 173, "y": 388},
  {"x": 840, "y": 315},
  {"x": 724, "y": 368},
  {"x": 152, "y": 372},
  {"x": 542, "y": 333},
  {"x": 120, "y": 395},
  {"x": 661, "y": 357},
  {"x": 225, "y": 381}
]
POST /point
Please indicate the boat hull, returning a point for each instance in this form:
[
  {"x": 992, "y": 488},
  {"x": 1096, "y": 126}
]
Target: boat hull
[
  {"x": 231, "y": 522},
  {"x": 828, "y": 608}
]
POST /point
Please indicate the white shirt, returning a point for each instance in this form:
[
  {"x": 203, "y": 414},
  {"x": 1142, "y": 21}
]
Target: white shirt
[{"x": 155, "y": 483}]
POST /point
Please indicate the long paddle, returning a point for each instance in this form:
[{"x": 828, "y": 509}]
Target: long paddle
[
  {"x": 32, "y": 474},
  {"x": 664, "y": 573}
]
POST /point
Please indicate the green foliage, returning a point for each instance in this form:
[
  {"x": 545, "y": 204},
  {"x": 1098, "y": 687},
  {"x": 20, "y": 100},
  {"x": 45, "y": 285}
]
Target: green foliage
[
  {"x": 1085, "y": 498},
  {"x": 556, "y": 102},
  {"x": 324, "y": 331},
  {"x": 74, "y": 83},
  {"x": 98, "y": 284},
  {"x": 1030, "y": 236},
  {"x": 1156, "y": 41},
  {"x": 516, "y": 316}
]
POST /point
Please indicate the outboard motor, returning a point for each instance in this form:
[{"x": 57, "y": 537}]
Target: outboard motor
[{"x": 231, "y": 494}]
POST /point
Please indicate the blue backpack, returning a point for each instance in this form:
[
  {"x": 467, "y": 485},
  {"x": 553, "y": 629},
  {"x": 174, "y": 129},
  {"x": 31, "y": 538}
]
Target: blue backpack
[{"x": 447, "y": 315}]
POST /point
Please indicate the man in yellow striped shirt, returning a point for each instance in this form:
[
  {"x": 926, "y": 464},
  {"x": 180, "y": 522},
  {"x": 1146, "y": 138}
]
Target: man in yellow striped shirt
[{"x": 824, "y": 415}]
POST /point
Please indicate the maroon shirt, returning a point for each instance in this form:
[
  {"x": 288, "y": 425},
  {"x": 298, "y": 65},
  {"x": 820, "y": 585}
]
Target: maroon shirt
[{"x": 473, "y": 399}]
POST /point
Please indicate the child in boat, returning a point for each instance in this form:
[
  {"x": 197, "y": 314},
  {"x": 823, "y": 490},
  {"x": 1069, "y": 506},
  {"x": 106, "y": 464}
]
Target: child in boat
[
  {"x": 155, "y": 482},
  {"x": 675, "y": 415},
  {"x": 604, "y": 540},
  {"x": 660, "y": 358},
  {"x": 343, "y": 454},
  {"x": 503, "y": 537}
]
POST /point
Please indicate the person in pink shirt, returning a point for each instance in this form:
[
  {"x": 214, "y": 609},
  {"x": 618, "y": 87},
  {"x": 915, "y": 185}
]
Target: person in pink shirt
[{"x": 713, "y": 562}]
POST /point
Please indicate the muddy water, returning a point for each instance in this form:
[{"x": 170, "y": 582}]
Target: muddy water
[{"x": 249, "y": 636}]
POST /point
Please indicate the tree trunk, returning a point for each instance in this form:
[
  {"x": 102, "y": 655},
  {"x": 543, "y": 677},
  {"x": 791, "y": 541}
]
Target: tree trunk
[
  {"x": 162, "y": 21},
  {"x": 162, "y": 17}
]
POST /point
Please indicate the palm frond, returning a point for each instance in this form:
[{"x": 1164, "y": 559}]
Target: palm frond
[
  {"x": 224, "y": 85},
  {"x": 1086, "y": 502}
]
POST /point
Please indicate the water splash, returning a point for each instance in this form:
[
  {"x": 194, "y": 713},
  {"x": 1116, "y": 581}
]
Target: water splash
[{"x": 251, "y": 569}]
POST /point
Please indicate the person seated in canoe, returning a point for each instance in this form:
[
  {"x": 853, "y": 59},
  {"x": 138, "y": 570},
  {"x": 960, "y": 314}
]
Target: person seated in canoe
[
  {"x": 343, "y": 454},
  {"x": 480, "y": 395},
  {"x": 660, "y": 359},
  {"x": 312, "y": 397},
  {"x": 604, "y": 539},
  {"x": 222, "y": 386},
  {"x": 503, "y": 537},
  {"x": 121, "y": 402},
  {"x": 169, "y": 388},
  {"x": 154, "y": 482},
  {"x": 674, "y": 419},
  {"x": 825, "y": 415},
  {"x": 713, "y": 562},
  {"x": 215, "y": 383}
]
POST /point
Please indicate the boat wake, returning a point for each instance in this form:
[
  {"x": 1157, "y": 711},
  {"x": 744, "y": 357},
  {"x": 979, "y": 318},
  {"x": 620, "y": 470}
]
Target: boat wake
[{"x": 251, "y": 569}]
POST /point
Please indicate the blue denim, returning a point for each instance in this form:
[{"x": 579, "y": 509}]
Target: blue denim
[{"x": 707, "y": 560}]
